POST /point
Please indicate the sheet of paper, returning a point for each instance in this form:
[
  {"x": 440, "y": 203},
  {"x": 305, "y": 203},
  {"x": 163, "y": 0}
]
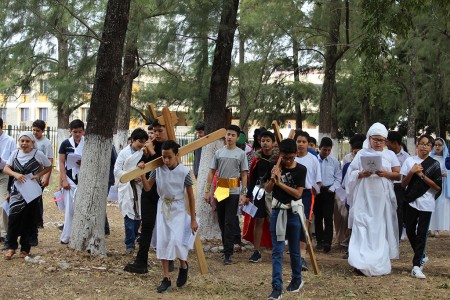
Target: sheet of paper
[
  {"x": 59, "y": 199},
  {"x": 221, "y": 193},
  {"x": 72, "y": 159},
  {"x": 5, "y": 207},
  {"x": 30, "y": 189},
  {"x": 371, "y": 163},
  {"x": 250, "y": 209},
  {"x": 340, "y": 192},
  {"x": 188, "y": 237}
]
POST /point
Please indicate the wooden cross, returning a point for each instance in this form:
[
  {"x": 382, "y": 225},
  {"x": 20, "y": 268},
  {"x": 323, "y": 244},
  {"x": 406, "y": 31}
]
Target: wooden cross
[
  {"x": 309, "y": 245},
  {"x": 167, "y": 119}
]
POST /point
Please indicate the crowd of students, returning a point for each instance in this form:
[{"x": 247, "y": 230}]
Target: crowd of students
[{"x": 291, "y": 185}]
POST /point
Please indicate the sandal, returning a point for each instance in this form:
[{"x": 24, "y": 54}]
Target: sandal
[
  {"x": 23, "y": 254},
  {"x": 9, "y": 254}
]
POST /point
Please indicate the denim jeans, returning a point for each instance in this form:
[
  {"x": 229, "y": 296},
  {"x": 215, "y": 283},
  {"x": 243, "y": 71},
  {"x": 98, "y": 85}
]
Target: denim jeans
[
  {"x": 131, "y": 231},
  {"x": 293, "y": 229}
]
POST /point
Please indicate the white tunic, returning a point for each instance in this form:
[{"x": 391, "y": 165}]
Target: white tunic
[
  {"x": 373, "y": 218},
  {"x": 440, "y": 218},
  {"x": 172, "y": 213}
]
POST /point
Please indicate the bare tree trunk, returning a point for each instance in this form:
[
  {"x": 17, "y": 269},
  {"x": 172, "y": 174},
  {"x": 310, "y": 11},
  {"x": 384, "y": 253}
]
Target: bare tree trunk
[
  {"x": 244, "y": 111},
  {"x": 411, "y": 133},
  {"x": 297, "y": 98},
  {"x": 365, "y": 109},
  {"x": 217, "y": 99},
  {"x": 89, "y": 217}
]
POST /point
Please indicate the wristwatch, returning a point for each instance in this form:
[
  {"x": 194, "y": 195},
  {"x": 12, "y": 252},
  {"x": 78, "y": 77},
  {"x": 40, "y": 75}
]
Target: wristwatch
[{"x": 422, "y": 177}]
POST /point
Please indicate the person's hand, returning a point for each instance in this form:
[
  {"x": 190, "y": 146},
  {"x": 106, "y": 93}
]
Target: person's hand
[
  {"x": 381, "y": 173},
  {"x": 242, "y": 200},
  {"x": 20, "y": 177},
  {"x": 207, "y": 197},
  {"x": 194, "y": 225},
  {"x": 141, "y": 165},
  {"x": 364, "y": 174},
  {"x": 418, "y": 169},
  {"x": 138, "y": 180},
  {"x": 247, "y": 200},
  {"x": 276, "y": 174},
  {"x": 65, "y": 184},
  {"x": 45, "y": 181},
  {"x": 444, "y": 174},
  {"x": 149, "y": 146},
  {"x": 78, "y": 162}
]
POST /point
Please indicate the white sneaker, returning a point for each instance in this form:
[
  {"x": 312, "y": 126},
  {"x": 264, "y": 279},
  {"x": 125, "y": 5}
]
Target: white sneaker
[
  {"x": 424, "y": 260},
  {"x": 417, "y": 272}
]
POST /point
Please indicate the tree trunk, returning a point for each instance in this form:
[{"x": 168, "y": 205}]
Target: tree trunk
[
  {"x": 297, "y": 98},
  {"x": 411, "y": 133},
  {"x": 244, "y": 111},
  {"x": 365, "y": 110},
  {"x": 329, "y": 81},
  {"x": 218, "y": 91},
  {"x": 89, "y": 217}
]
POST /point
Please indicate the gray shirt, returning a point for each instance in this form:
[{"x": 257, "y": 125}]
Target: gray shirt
[
  {"x": 45, "y": 146},
  {"x": 230, "y": 164}
]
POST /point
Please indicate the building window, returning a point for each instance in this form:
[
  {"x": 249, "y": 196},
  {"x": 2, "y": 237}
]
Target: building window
[
  {"x": 3, "y": 113},
  {"x": 43, "y": 86},
  {"x": 84, "y": 114},
  {"x": 43, "y": 114},
  {"x": 24, "y": 114}
]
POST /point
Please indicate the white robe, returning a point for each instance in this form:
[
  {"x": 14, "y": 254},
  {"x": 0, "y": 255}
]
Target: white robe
[
  {"x": 172, "y": 213},
  {"x": 372, "y": 217},
  {"x": 440, "y": 218},
  {"x": 126, "y": 162},
  {"x": 69, "y": 207}
]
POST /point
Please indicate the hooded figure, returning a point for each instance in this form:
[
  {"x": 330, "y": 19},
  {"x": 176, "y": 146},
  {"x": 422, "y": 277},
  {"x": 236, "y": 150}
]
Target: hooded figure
[{"x": 372, "y": 216}]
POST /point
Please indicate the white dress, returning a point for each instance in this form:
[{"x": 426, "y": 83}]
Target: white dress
[
  {"x": 172, "y": 214},
  {"x": 440, "y": 219},
  {"x": 372, "y": 217}
]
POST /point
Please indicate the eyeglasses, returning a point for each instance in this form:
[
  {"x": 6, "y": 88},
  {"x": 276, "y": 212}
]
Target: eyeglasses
[
  {"x": 424, "y": 145},
  {"x": 288, "y": 158},
  {"x": 378, "y": 140}
]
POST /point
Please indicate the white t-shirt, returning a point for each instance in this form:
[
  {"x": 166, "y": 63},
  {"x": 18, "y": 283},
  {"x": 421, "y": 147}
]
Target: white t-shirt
[
  {"x": 45, "y": 146},
  {"x": 313, "y": 173},
  {"x": 426, "y": 202},
  {"x": 25, "y": 157}
]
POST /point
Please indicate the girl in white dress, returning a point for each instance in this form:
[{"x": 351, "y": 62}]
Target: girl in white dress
[
  {"x": 172, "y": 180},
  {"x": 440, "y": 219},
  {"x": 372, "y": 216}
]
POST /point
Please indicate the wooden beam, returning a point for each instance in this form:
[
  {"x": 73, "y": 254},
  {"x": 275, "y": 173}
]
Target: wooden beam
[{"x": 168, "y": 124}]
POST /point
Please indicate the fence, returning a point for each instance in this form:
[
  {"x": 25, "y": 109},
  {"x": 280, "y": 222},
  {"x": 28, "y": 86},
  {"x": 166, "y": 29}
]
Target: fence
[{"x": 52, "y": 134}]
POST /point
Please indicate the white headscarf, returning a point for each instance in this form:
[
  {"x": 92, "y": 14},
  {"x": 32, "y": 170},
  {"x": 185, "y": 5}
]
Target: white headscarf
[
  {"x": 375, "y": 129},
  {"x": 30, "y": 135}
]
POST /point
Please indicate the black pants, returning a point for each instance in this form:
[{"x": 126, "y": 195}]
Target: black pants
[
  {"x": 149, "y": 207},
  {"x": 226, "y": 213},
  {"x": 323, "y": 215},
  {"x": 418, "y": 239},
  {"x": 21, "y": 224},
  {"x": 400, "y": 196}
]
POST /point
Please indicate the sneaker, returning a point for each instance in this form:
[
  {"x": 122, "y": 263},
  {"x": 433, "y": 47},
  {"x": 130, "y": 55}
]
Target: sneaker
[
  {"x": 24, "y": 254},
  {"x": 256, "y": 257},
  {"x": 136, "y": 268},
  {"x": 423, "y": 262},
  {"x": 275, "y": 295},
  {"x": 417, "y": 272},
  {"x": 34, "y": 242},
  {"x": 64, "y": 243},
  {"x": 295, "y": 285},
  {"x": 129, "y": 251},
  {"x": 326, "y": 248},
  {"x": 61, "y": 227},
  {"x": 304, "y": 265},
  {"x": 171, "y": 266},
  {"x": 165, "y": 286},
  {"x": 227, "y": 260},
  {"x": 319, "y": 246},
  {"x": 182, "y": 276}
]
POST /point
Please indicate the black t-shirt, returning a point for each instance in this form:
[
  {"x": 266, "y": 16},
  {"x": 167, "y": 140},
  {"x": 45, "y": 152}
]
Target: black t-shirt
[
  {"x": 153, "y": 193},
  {"x": 65, "y": 149},
  {"x": 260, "y": 171},
  {"x": 294, "y": 178}
]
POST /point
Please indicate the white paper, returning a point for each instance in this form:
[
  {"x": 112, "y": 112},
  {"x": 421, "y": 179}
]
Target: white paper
[
  {"x": 371, "y": 163},
  {"x": 188, "y": 237},
  {"x": 340, "y": 192},
  {"x": 72, "y": 159},
  {"x": 59, "y": 199},
  {"x": 250, "y": 209},
  {"x": 5, "y": 207},
  {"x": 30, "y": 190}
]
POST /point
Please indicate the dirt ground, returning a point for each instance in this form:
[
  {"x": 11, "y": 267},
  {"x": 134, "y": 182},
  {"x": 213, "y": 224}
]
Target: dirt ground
[{"x": 65, "y": 274}]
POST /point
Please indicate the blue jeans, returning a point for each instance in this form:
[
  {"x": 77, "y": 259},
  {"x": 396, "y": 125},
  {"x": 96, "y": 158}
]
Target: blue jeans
[
  {"x": 293, "y": 229},
  {"x": 131, "y": 231}
]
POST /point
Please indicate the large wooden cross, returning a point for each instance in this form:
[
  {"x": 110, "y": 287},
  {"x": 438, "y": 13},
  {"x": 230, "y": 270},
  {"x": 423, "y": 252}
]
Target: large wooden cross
[
  {"x": 168, "y": 119},
  {"x": 309, "y": 245}
]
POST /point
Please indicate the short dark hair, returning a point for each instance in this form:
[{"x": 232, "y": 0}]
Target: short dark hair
[
  {"x": 394, "y": 136},
  {"x": 357, "y": 145},
  {"x": 77, "y": 123},
  {"x": 288, "y": 146},
  {"x": 150, "y": 127},
  {"x": 268, "y": 134},
  {"x": 156, "y": 123},
  {"x": 139, "y": 134},
  {"x": 39, "y": 124},
  {"x": 1, "y": 123},
  {"x": 312, "y": 140},
  {"x": 326, "y": 142},
  {"x": 357, "y": 137},
  {"x": 429, "y": 137},
  {"x": 234, "y": 128},
  {"x": 301, "y": 133},
  {"x": 170, "y": 145},
  {"x": 199, "y": 126}
]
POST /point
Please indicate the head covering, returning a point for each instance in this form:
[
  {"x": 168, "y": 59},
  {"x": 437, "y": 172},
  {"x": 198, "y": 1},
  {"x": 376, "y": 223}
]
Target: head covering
[
  {"x": 444, "y": 155},
  {"x": 375, "y": 129},
  {"x": 30, "y": 135},
  {"x": 241, "y": 139}
]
